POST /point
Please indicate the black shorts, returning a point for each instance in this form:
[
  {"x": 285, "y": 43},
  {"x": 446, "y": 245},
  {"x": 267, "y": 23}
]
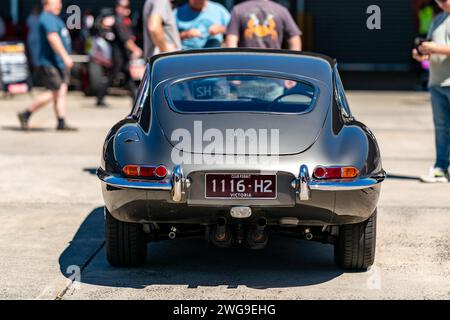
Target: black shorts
[{"x": 52, "y": 78}]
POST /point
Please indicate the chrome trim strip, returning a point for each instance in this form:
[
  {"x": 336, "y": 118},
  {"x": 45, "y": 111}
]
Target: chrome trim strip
[
  {"x": 178, "y": 184},
  {"x": 120, "y": 182},
  {"x": 357, "y": 184},
  {"x": 303, "y": 185},
  {"x": 304, "y": 181}
]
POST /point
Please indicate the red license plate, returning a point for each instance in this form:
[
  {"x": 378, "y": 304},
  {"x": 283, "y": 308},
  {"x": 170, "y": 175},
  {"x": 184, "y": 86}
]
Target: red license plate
[{"x": 241, "y": 186}]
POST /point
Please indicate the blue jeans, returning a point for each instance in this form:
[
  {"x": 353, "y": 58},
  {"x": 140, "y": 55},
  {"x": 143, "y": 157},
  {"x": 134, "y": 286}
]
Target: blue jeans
[{"x": 440, "y": 101}]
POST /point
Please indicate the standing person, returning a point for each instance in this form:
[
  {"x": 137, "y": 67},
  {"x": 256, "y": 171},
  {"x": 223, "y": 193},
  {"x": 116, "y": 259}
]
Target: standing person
[
  {"x": 2, "y": 28},
  {"x": 262, "y": 24},
  {"x": 425, "y": 16},
  {"x": 437, "y": 50},
  {"x": 124, "y": 49},
  {"x": 88, "y": 23},
  {"x": 87, "y": 29},
  {"x": 124, "y": 26},
  {"x": 160, "y": 29},
  {"x": 202, "y": 24},
  {"x": 55, "y": 64},
  {"x": 123, "y": 9},
  {"x": 33, "y": 36}
]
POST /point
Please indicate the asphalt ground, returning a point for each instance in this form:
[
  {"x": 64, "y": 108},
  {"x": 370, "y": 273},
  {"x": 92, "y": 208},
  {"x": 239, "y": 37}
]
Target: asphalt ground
[{"x": 51, "y": 230}]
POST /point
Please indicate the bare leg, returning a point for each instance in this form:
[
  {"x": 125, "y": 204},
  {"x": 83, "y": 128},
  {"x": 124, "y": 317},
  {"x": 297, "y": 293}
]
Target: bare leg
[
  {"x": 37, "y": 103},
  {"x": 60, "y": 98},
  {"x": 60, "y": 101},
  {"x": 41, "y": 101}
]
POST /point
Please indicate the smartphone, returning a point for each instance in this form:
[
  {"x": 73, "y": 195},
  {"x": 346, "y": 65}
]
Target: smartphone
[{"x": 418, "y": 42}]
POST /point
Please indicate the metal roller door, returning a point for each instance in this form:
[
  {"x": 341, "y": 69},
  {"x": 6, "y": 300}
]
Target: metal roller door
[{"x": 339, "y": 30}]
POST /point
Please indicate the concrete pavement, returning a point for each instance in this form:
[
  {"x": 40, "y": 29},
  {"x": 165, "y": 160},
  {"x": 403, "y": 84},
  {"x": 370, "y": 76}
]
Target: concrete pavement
[{"x": 50, "y": 206}]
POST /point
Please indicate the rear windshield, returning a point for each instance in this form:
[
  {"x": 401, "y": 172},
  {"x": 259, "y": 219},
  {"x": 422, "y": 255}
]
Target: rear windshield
[{"x": 241, "y": 93}]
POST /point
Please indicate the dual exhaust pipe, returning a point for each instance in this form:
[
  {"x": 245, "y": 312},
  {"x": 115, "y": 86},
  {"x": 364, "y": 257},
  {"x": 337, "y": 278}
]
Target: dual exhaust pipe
[{"x": 255, "y": 236}]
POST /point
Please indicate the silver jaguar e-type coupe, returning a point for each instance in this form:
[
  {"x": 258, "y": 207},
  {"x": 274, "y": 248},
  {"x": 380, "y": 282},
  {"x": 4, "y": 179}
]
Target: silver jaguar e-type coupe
[{"x": 235, "y": 145}]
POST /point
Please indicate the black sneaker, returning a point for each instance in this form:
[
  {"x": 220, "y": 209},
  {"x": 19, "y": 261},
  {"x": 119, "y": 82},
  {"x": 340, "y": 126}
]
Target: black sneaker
[
  {"x": 67, "y": 128},
  {"x": 23, "y": 119},
  {"x": 101, "y": 104}
]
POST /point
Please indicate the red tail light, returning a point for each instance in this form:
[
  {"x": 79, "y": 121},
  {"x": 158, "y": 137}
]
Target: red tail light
[
  {"x": 142, "y": 171},
  {"x": 335, "y": 172},
  {"x": 161, "y": 172}
]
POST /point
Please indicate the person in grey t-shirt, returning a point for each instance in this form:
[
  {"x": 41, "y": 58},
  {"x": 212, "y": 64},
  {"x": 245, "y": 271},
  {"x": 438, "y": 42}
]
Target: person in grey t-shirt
[
  {"x": 262, "y": 24},
  {"x": 437, "y": 50},
  {"x": 160, "y": 29}
]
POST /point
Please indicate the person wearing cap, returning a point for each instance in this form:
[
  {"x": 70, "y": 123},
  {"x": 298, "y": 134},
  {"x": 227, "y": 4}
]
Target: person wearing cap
[
  {"x": 160, "y": 29},
  {"x": 437, "y": 51}
]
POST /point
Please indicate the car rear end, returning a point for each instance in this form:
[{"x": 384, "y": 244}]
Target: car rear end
[{"x": 236, "y": 154}]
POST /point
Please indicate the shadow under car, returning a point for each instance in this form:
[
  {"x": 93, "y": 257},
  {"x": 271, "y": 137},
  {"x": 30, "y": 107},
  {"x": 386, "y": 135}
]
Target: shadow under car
[{"x": 285, "y": 262}]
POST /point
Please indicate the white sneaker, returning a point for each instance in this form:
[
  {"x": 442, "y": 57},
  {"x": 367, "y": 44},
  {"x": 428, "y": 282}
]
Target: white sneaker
[{"x": 435, "y": 175}]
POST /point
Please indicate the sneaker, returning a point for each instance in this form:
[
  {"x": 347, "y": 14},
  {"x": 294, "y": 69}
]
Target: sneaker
[
  {"x": 101, "y": 104},
  {"x": 23, "y": 119},
  {"x": 435, "y": 175},
  {"x": 65, "y": 127}
]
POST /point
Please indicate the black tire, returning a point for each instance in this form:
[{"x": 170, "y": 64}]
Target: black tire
[
  {"x": 96, "y": 79},
  {"x": 355, "y": 246},
  {"x": 126, "y": 244}
]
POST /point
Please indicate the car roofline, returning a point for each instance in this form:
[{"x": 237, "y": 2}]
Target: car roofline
[{"x": 332, "y": 62}]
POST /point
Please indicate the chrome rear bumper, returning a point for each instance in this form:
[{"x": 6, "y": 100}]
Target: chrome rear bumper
[
  {"x": 125, "y": 183},
  {"x": 358, "y": 184},
  {"x": 178, "y": 184},
  {"x": 304, "y": 185}
]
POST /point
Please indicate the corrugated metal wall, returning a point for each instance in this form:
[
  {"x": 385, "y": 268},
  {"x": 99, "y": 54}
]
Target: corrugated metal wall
[
  {"x": 339, "y": 30},
  {"x": 95, "y": 5},
  {"x": 98, "y": 4},
  {"x": 5, "y": 7},
  {"x": 26, "y": 5}
]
